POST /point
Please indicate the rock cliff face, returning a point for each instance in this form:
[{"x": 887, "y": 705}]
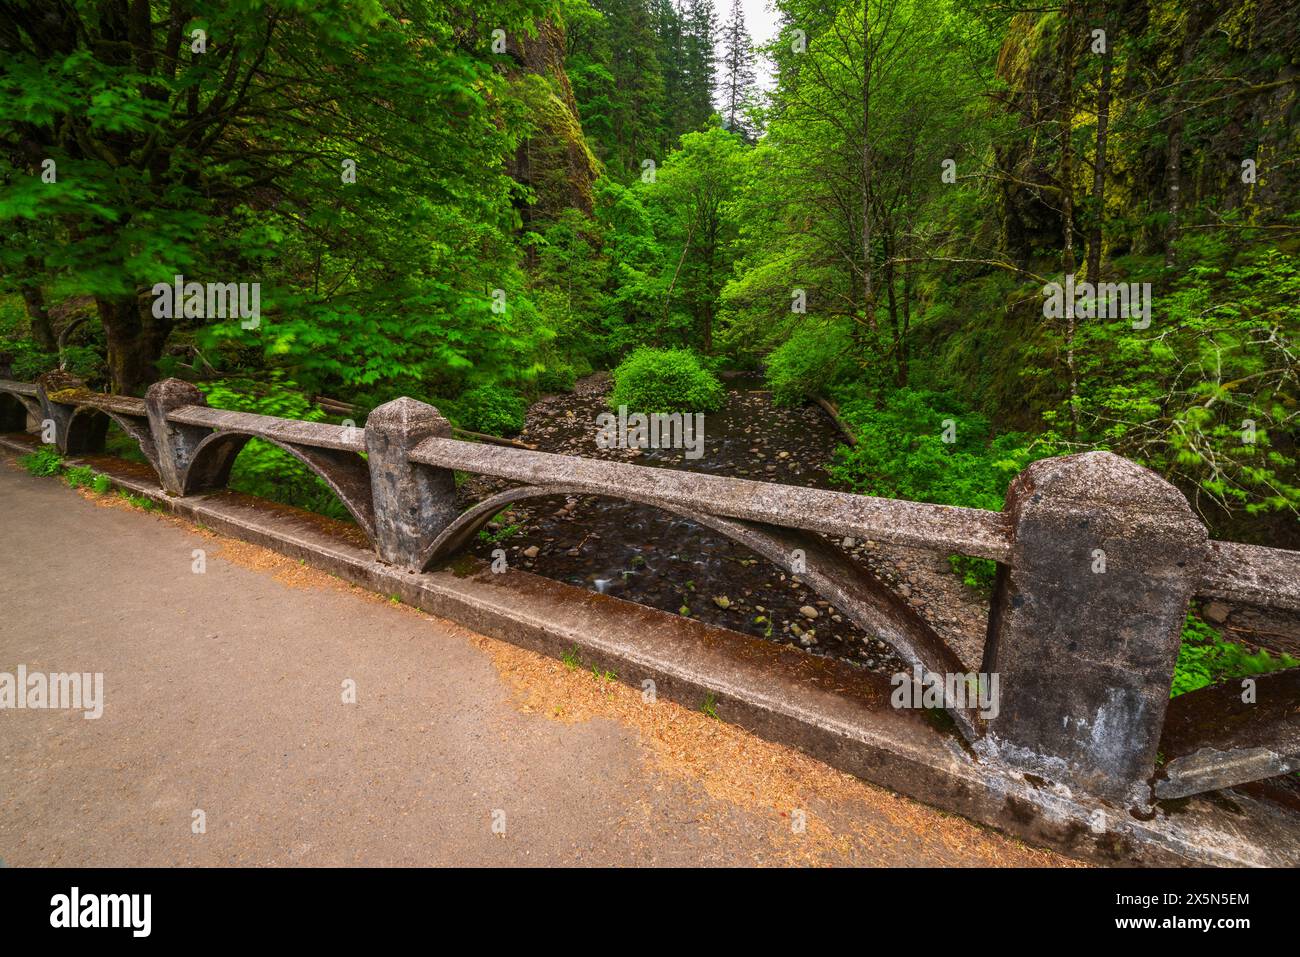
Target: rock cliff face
[
  {"x": 555, "y": 162},
  {"x": 1198, "y": 87}
]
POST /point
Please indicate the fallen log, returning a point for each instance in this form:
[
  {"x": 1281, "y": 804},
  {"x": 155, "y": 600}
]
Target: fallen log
[{"x": 834, "y": 413}]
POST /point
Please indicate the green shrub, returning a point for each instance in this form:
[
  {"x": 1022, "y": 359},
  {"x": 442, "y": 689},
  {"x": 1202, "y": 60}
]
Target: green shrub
[
  {"x": 26, "y": 362},
  {"x": 79, "y": 476},
  {"x": 666, "y": 380},
  {"x": 101, "y": 483},
  {"x": 976, "y": 573},
  {"x": 142, "y": 502},
  {"x": 44, "y": 461},
  {"x": 84, "y": 362},
  {"x": 901, "y": 452},
  {"x": 1205, "y": 658},
  {"x": 492, "y": 409},
  {"x": 807, "y": 363},
  {"x": 557, "y": 377}
]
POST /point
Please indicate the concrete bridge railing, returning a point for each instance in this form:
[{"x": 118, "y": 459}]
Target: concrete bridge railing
[{"x": 1098, "y": 561}]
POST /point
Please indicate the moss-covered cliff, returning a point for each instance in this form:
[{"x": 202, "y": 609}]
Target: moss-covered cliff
[{"x": 554, "y": 160}]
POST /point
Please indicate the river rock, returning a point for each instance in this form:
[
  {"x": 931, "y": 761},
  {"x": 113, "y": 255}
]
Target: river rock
[
  {"x": 1215, "y": 612},
  {"x": 808, "y": 611}
]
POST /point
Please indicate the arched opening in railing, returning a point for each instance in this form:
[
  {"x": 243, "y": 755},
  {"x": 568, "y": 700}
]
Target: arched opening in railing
[
  {"x": 344, "y": 477},
  {"x": 16, "y": 409},
  {"x": 125, "y": 436}
]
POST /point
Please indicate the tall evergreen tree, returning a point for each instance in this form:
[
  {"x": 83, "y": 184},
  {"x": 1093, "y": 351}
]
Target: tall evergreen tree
[
  {"x": 638, "y": 79},
  {"x": 699, "y": 26},
  {"x": 671, "y": 40},
  {"x": 738, "y": 73}
]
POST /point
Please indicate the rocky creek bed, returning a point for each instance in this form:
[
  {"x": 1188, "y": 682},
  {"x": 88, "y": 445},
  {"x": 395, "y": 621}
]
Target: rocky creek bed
[{"x": 659, "y": 559}]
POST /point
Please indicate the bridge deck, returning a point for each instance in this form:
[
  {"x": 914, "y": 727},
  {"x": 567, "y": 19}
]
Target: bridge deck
[{"x": 222, "y": 694}]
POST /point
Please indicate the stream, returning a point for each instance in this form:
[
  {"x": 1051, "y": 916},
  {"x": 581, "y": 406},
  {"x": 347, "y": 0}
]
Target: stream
[{"x": 654, "y": 558}]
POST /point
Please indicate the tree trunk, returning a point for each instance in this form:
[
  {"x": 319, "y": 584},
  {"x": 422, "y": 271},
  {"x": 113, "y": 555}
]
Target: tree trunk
[
  {"x": 1174, "y": 148},
  {"x": 868, "y": 287},
  {"x": 891, "y": 300},
  {"x": 904, "y": 355},
  {"x": 1067, "y": 204},
  {"x": 1173, "y": 180},
  {"x": 1066, "y": 122},
  {"x": 39, "y": 316},
  {"x": 1099, "y": 165},
  {"x": 134, "y": 343}
]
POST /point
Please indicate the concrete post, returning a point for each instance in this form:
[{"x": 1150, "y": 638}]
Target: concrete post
[
  {"x": 1085, "y": 622},
  {"x": 413, "y": 502},
  {"x": 73, "y": 434},
  {"x": 175, "y": 443}
]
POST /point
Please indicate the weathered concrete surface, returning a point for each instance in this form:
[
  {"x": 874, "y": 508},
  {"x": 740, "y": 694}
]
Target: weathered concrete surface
[
  {"x": 1084, "y": 626},
  {"x": 345, "y": 473},
  {"x": 1252, "y": 574},
  {"x": 778, "y": 694},
  {"x": 19, "y": 388},
  {"x": 1214, "y": 739},
  {"x": 969, "y": 531},
  {"x": 223, "y": 694},
  {"x": 19, "y": 404},
  {"x": 292, "y": 431},
  {"x": 413, "y": 504},
  {"x": 176, "y": 443},
  {"x": 74, "y": 434}
]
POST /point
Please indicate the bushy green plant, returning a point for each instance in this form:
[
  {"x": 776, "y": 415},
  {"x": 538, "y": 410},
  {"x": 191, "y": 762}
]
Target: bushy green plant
[
  {"x": 101, "y": 484},
  {"x": 44, "y": 461},
  {"x": 806, "y": 363},
  {"x": 976, "y": 573},
  {"x": 556, "y": 377},
  {"x": 79, "y": 476},
  {"x": 666, "y": 380},
  {"x": 492, "y": 409},
  {"x": 901, "y": 451},
  {"x": 84, "y": 362},
  {"x": 142, "y": 502},
  {"x": 26, "y": 362},
  {"x": 1205, "y": 658},
  {"x": 1209, "y": 399}
]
